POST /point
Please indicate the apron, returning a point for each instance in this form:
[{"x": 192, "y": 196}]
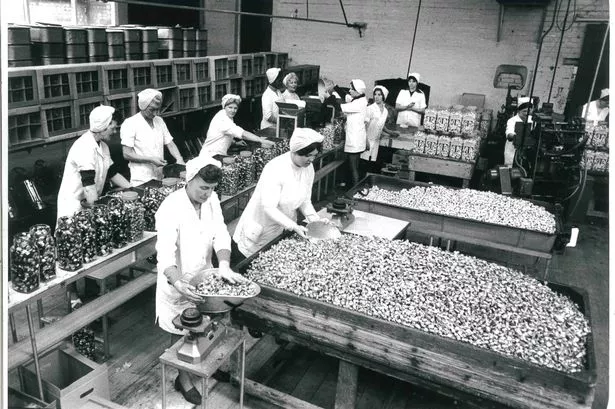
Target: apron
[{"x": 374, "y": 129}]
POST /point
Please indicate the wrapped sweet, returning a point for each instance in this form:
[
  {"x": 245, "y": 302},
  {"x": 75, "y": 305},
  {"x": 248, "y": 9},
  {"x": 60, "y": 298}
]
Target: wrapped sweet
[
  {"x": 46, "y": 246},
  {"x": 455, "y": 119},
  {"x": 456, "y": 148},
  {"x": 485, "y": 122},
  {"x": 329, "y": 137},
  {"x": 84, "y": 343},
  {"x": 84, "y": 221},
  {"x": 600, "y": 135},
  {"x": 431, "y": 144},
  {"x": 151, "y": 199},
  {"x": 601, "y": 162},
  {"x": 442, "y": 120},
  {"x": 339, "y": 127},
  {"x": 429, "y": 120},
  {"x": 470, "y": 150},
  {"x": 119, "y": 222},
  {"x": 135, "y": 216},
  {"x": 444, "y": 146},
  {"x": 587, "y": 162},
  {"x": 247, "y": 168},
  {"x": 262, "y": 156},
  {"x": 229, "y": 180},
  {"x": 24, "y": 264},
  {"x": 169, "y": 185},
  {"x": 102, "y": 224},
  {"x": 68, "y": 244},
  {"x": 468, "y": 120},
  {"x": 418, "y": 142}
]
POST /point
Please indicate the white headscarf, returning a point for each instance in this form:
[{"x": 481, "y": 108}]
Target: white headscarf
[
  {"x": 604, "y": 93},
  {"x": 416, "y": 75},
  {"x": 147, "y": 96},
  {"x": 385, "y": 92},
  {"x": 272, "y": 74},
  {"x": 358, "y": 86},
  {"x": 100, "y": 118},
  {"x": 523, "y": 102},
  {"x": 303, "y": 137},
  {"x": 229, "y": 98},
  {"x": 193, "y": 166}
]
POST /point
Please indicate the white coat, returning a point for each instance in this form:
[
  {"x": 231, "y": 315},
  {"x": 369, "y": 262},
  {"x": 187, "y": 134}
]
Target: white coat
[
  {"x": 375, "y": 124},
  {"x": 356, "y": 134},
  {"x": 269, "y": 106},
  {"x": 146, "y": 141},
  {"x": 284, "y": 186},
  {"x": 290, "y": 96},
  {"x": 594, "y": 114},
  {"x": 85, "y": 154},
  {"x": 509, "y": 148},
  {"x": 222, "y": 130},
  {"x": 410, "y": 118},
  {"x": 187, "y": 241}
]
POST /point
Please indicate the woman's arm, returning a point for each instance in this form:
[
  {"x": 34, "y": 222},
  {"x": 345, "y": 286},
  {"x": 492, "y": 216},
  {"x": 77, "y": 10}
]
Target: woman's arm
[
  {"x": 119, "y": 180},
  {"x": 131, "y": 156},
  {"x": 175, "y": 153},
  {"x": 249, "y": 136}
]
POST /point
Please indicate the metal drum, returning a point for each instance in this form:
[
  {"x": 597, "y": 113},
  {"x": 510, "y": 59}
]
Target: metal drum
[
  {"x": 201, "y": 43},
  {"x": 48, "y": 45},
  {"x": 115, "y": 40},
  {"x": 133, "y": 37},
  {"x": 170, "y": 41},
  {"x": 98, "y": 49},
  {"x": 76, "y": 39},
  {"x": 150, "y": 43},
  {"x": 19, "y": 47},
  {"x": 189, "y": 37}
]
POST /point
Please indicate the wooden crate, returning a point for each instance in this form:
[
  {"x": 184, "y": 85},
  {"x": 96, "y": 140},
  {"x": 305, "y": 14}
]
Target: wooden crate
[
  {"x": 170, "y": 100},
  {"x": 201, "y": 69},
  {"x": 259, "y": 64},
  {"x": 83, "y": 107},
  {"x": 116, "y": 78},
  {"x": 22, "y": 87},
  {"x": 24, "y": 125},
  {"x": 462, "y": 371},
  {"x": 187, "y": 97},
  {"x": 247, "y": 65},
  {"x": 218, "y": 67},
  {"x": 236, "y": 87},
  {"x": 163, "y": 73},
  {"x": 204, "y": 94},
  {"x": 183, "y": 71},
  {"x": 220, "y": 88},
  {"x": 282, "y": 60},
  {"x": 17, "y": 399},
  {"x": 234, "y": 66},
  {"x": 89, "y": 81},
  {"x": 125, "y": 104},
  {"x": 58, "y": 118},
  {"x": 142, "y": 75},
  {"x": 55, "y": 85}
]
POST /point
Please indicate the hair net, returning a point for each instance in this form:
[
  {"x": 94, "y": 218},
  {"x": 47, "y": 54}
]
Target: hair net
[
  {"x": 100, "y": 118},
  {"x": 229, "y": 98},
  {"x": 272, "y": 74},
  {"x": 193, "y": 166},
  {"x": 147, "y": 96},
  {"x": 385, "y": 92},
  {"x": 303, "y": 137},
  {"x": 358, "y": 86}
]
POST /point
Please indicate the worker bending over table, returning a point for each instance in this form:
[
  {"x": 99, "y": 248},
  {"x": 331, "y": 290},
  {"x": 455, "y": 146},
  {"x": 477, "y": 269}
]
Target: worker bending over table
[
  {"x": 190, "y": 228},
  {"x": 144, "y": 137}
]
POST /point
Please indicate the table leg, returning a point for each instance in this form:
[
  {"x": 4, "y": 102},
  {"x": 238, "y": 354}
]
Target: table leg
[
  {"x": 411, "y": 175},
  {"x": 465, "y": 184},
  {"x": 448, "y": 245},
  {"x": 205, "y": 395},
  {"x": 13, "y": 328},
  {"x": 105, "y": 324},
  {"x": 163, "y": 386},
  {"x": 548, "y": 264},
  {"x": 39, "y": 310},
  {"x": 346, "y": 390},
  {"x": 243, "y": 373},
  {"x": 37, "y": 368}
]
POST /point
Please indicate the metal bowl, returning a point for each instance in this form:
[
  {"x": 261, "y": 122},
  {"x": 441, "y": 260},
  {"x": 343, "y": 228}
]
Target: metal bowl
[
  {"x": 320, "y": 230},
  {"x": 213, "y": 304}
]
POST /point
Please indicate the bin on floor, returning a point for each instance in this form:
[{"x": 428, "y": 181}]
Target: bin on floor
[
  {"x": 99, "y": 403},
  {"x": 20, "y": 400}
]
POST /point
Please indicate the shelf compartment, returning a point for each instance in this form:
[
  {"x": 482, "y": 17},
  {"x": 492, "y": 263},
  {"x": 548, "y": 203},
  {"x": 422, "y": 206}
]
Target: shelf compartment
[
  {"x": 125, "y": 103},
  {"x": 219, "y": 66},
  {"x": 188, "y": 97},
  {"x": 282, "y": 60},
  {"x": 259, "y": 64},
  {"x": 83, "y": 109},
  {"x": 22, "y": 89},
  {"x": 116, "y": 79},
  {"x": 170, "y": 103},
  {"x": 88, "y": 81},
  {"x": 247, "y": 65},
  {"x": 234, "y": 66},
  {"x": 236, "y": 86},
  {"x": 260, "y": 85},
  {"x": 164, "y": 73},
  {"x": 54, "y": 85},
  {"x": 204, "y": 94},
  {"x": 142, "y": 76},
  {"x": 248, "y": 87},
  {"x": 58, "y": 118},
  {"x": 201, "y": 69},
  {"x": 182, "y": 69},
  {"x": 24, "y": 125},
  {"x": 220, "y": 89}
]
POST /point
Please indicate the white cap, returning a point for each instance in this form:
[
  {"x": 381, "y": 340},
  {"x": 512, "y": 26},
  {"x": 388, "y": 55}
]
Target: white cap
[
  {"x": 272, "y": 74},
  {"x": 303, "y": 137},
  {"x": 385, "y": 92},
  {"x": 358, "y": 86},
  {"x": 100, "y": 118},
  {"x": 604, "y": 93},
  {"x": 193, "y": 166},
  {"x": 147, "y": 96},
  {"x": 416, "y": 75},
  {"x": 229, "y": 98}
]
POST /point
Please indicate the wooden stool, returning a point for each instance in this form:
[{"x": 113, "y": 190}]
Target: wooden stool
[{"x": 233, "y": 340}]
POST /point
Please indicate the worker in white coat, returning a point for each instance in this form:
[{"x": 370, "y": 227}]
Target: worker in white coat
[
  {"x": 597, "y": 110},
  {"x": 144, "y": 137},
  {"x": 190, "y": 229},
  {"x": 410, "y": 103},
  {"x": 284, "y": 187},
  {"x": 88, "y": 164},
  {"x": 376, "y": 117},
  {"x": 355, "y": 110},
  {"x": 523, "y": 113},
  {"x": 272, "y": 95}
]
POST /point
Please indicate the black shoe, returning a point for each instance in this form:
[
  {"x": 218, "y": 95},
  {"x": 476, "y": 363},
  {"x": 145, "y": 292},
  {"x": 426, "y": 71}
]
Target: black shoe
[
  {"x": 193, "y": 396},
  {"x": 221, "y": 376}
]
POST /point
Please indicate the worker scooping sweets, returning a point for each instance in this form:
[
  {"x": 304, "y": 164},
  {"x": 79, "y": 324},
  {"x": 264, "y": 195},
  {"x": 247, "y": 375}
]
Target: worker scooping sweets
[
  {"x": 222, "y": 129},
  {"x": 272, "y": 95},
  {"x": 88, "y": 164},
  {"x": 523, "y": 112},
  {"x": 284, "y": 187},
  {"x": 190, "y": 228},
  {"x": 144, "y": 136}
]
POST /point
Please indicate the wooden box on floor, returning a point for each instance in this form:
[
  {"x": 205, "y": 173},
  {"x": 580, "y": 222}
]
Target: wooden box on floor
[
  {"x": 68, "y": 377},
  {"x": 17, "y": 399},
  {"x": 95, "y": 402}
]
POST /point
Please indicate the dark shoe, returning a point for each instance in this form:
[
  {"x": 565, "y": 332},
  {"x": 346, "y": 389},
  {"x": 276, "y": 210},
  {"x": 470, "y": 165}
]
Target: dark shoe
[{"x": 193, "y": 396}]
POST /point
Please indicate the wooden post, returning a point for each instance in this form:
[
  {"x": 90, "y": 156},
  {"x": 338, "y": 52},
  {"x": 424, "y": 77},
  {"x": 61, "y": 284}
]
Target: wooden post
[{"x": 346, "y": 392}]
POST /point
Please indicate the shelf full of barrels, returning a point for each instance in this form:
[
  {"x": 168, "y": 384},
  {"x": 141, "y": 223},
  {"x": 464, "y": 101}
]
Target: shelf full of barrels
[{"x": 70, "y": 70}]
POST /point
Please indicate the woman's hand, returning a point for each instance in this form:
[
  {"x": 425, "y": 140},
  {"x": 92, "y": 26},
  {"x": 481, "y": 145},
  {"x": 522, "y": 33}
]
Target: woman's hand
[
  {"x": 187, "y": 290},
  {"x": 265, "y": 142},
  {"x": 157, "y": 162},
  {"x": 232, "y": 277},
  {"x": 300, "y": 230}
]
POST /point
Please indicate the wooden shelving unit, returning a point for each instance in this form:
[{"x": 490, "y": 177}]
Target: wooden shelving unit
[{"x": 52, "y": 103}]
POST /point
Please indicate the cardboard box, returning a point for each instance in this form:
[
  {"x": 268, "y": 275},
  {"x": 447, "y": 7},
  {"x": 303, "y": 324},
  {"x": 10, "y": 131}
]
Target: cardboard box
[
  {"x": 20, "y": 400},
  {"x": 68, "y": 377},
  {"x": 94, "y": 402}
]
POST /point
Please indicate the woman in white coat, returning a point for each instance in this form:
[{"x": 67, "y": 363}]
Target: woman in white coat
[
  {"x": 410, "y": 103},
  {"x": 271, "y": 95},
  {"x": 88, "y": 164},
  {"x": 223, "y": 129},
  {"x": 376, "y": 118},
  {"x": 190, "y": 228},
  {"x": 284, "y": 187},
  {"x": 523, "y": 115},
  {"x": 290, "y": 81},
  {"x": 355, "y": 110}
]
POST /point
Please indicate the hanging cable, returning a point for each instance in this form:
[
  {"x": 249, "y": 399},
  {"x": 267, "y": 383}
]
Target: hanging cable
[
  {"x": 416, "y": 24},
  {"x": 574, "y": 14},
  {"x": 559, "y": 49},
  {"x": 344, "y": 12}
]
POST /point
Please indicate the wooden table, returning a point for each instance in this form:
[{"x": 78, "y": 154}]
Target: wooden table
[
  {"x": 370, "y": 224},
  {"x": 440, "y": 166},
  {"x": 49, "y": 336}
]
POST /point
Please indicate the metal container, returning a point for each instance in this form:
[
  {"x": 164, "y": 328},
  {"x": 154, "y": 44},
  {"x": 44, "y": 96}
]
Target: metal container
[
  {"x": 133, "y": 38},
  {"x": 189, "y": 42},
  {"x": 150, "y": 43},
  {"x": 76, "y": 39},
  {"x": 218, "y": 303},
  {"x": 115, "y": 40},
  {"x": 170, "y": 42},
  {"x": 98, "y": 48},
  {"x": 48, "y": 45},
  {"x": 19, "y": 50},
  {"x": 201, "y": 43}
]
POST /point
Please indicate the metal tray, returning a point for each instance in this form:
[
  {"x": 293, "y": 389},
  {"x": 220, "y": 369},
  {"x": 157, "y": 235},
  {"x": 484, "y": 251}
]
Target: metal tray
[
  {"x": 434, "y": 223},
  {"x": 218, "y": 303}
]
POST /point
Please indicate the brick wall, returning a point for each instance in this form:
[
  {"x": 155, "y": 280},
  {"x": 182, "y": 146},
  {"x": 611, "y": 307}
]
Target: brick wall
[
  {"x": 456, "y": 48},
  {"x": 221, "y": 28}
]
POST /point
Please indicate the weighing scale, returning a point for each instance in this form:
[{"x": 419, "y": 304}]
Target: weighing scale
[{"x": 341, "y": 213}]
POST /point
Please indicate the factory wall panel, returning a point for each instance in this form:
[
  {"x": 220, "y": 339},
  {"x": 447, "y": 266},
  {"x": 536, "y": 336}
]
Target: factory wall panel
[
  {"x": 456, "y": 48},
  {"x": 221, "y": 28},
  {"x": 60, "y": 12}
]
